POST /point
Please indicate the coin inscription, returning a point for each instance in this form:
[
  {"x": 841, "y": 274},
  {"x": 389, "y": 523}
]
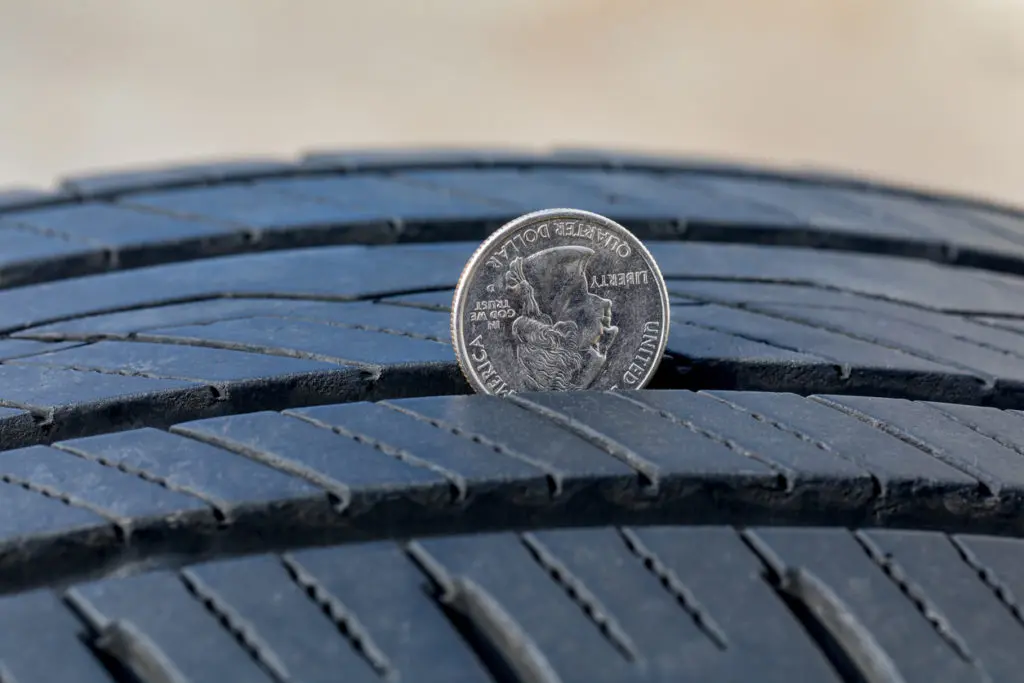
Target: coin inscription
[{"x": 557, "y": 300}]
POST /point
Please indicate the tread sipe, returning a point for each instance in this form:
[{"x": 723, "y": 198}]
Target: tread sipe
[{"x": 235, "y": 445}]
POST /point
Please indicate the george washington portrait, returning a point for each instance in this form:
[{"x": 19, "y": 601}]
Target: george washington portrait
[{"x": 563, "y": 332}]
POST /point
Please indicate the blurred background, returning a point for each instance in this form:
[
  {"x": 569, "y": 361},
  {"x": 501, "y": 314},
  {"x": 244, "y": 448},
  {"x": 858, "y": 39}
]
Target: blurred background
[{"x": 923, "y": 91}]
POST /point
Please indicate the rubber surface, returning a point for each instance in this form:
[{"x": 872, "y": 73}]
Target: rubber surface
[{"x": 234, "y": 445}]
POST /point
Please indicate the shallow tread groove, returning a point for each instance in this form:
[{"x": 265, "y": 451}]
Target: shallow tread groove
[
  {"x": 337, "y": 492},
  {"x": 793, "y": 431},
  {"x": 990, "y": 579},
  {"x": 578, "y": 592},
  {"x": 675, "y": 586},
  {"x": 647, "y": 472},
  {"x": 457, "y": 483},
  {"x": 344, "y": 620},
  {"x": 892, "y": 569},
  {"x": 243, "y": 632},
  {"x": 989, "y": 486},
  {"x": 787, "y": 477},
  {"x": 555, "y": 478},
  {"x": 217, "y": 507},
  {"x": 123, "y": 533}
]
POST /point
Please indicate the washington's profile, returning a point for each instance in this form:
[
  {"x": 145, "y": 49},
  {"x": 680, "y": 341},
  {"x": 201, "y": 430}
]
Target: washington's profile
[{"x": 563, "y": 332}]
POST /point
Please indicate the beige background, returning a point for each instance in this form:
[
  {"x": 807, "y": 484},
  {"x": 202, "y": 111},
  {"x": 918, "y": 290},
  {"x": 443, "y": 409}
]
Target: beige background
[{"x": 926, "y": 91}]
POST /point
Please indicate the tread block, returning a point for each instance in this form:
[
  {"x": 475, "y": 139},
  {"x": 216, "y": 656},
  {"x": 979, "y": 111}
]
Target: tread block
[
  {"x": 119, "y": 494},
  {"x": 724, "y": 579},
  {"x": 758, "y": 295},
  {"x": 188, "y": 634},
  {"x": 394, "y": 610},
  {"x": 12, "y": 198},
  {"x": 669, "y": 447},
  {"x": 804, "y": 338},
  {"x": 45, "y": 388},
  {"x": 25, "y": 513},
  {"x": 632, "y": 601},
  {"x": 503, "y": 423},
  {"x": 260, "y": 593},
  {"x": 872, "y": 598},
  {"x": 932, "y": 220},
  {"x": 173, "y": 315},
  {"x": 43, "y": 641},
  {"x": 11, "y": 349},
  {"x": 287, "y": 443},
  {"x": 440, "y": 301},
  {"x": 521, "y": 190},
  {"x": 810, "y": 205},
  {"x": 410, "y": 321},
  {"x": 477, "y": 463},
  {"x": 176, "y": 361},
  {"x": 675, "y": 196},
  {"x": 900, "y": 468},
  {"x": 1004, "y": 223},
  {"x": 772, "y": 444},
  {"x": 227, "y": 477},
  {"x": 121, "y": 227},
  {"x": 27, "y": 256},
  {"x": 929, "y": 285},
  {"x": 503, "y": 569},
  {"x": 109, "y": 183},
  {"x": 925, "y": 342},
  {"x": 972, "y": 612},
  {"x": 322, "y": 342},
  {"x": 1004, "y": 426},
  {"x": 259, "y": 208},
  {"x": 998, "y": 467},
  {"x": 386, "y": 159},
  {"x": 353, "y": 273},
  {"x": 711, "y": 347},
  {"x": 999, "y": 563},
  {"x": 392, "y": 198}
]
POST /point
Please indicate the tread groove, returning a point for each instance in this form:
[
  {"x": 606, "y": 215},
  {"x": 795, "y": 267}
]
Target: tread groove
[
  {"x": 675, "y": 586},
  {"x": 647, "y": 472},
  {"x": 457, "y": 482},
  {"x": 892, "y": 569},
  {"x": 990, "y": 578},
  {"x": 244, "y": 633},
  {"x": 1004, "y": 442},
  {"x": 989, "y": 486},
  {"x": 218, "y": 509},
  {"x": 870, "y": 339},
  {"x": 793, "y": 431},
  {"x": 578, "y": 592},
  {"x": 344, "y": 620},
  {"x": 134, "y": 653},
  {"x": 123, "y": 532},
  {"x": 787, "y": 477},
  {"x": 503, "y": 646},
  {"x": 554, "y": 477},
  {"x": 337, "y": 492},
  {"x": 847, "y": 643}
]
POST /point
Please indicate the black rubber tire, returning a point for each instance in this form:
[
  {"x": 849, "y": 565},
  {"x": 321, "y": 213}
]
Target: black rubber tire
[{"x": 235, "y": 445}]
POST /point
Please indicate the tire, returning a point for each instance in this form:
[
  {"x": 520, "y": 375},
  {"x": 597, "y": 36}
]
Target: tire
[{"x": 235, "y": 445}]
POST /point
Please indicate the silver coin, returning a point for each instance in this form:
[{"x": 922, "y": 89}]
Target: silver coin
[{"x": 558, "y": 300}]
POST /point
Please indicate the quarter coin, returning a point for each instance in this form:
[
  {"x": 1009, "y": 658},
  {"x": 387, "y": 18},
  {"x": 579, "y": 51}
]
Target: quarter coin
[{"x": 560, "y": 300}]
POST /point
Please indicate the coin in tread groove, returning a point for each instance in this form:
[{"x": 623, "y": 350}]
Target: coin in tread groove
[{"x": 560, "y": 300}]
